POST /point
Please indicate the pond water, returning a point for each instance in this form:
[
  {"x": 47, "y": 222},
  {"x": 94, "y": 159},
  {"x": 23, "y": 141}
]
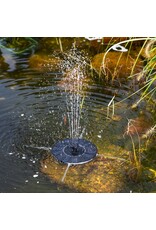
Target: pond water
[{"x": 36, "y": 85}]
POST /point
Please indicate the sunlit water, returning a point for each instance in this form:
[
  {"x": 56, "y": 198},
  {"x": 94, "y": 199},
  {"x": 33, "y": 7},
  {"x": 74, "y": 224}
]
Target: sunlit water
[{"x": 38, "y": 109}]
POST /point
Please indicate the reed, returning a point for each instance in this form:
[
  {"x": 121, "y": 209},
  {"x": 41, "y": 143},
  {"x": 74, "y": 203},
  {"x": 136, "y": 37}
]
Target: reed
[
  {"x": 135, "y": 158},
  {"x": 149, "y": 71},
  {"x": 111, "y": 104},
  {"x": 60, "y": 43}
]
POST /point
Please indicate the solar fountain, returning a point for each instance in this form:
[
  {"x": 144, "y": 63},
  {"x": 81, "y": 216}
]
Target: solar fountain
[{"x": 74, "y": 150}]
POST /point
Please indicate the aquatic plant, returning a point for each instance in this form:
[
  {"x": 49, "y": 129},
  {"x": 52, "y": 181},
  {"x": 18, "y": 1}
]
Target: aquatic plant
[
  {"x": 147, "y": 76},
  {"x": 135, "y": 157},
  {"x": 59, "y": 42},
  {"x": 18, "y": 45},
  {"x": 150, "y": 132},
  {"x": 108, "y": 107}
]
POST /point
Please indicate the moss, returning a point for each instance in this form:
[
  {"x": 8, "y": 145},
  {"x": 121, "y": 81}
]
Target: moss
[
  {"x": 100, "y": 175},
  {"x": 4, "y": 66},
  {"x": 44, "y": 62},
  {"x": 50, "y": 44},
  {"x": 117, "y": 64},
  {"x": 19, "y": 45}
]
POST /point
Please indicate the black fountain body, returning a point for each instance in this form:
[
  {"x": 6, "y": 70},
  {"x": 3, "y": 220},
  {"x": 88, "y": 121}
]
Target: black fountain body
[{"x": 74, "y": 151}]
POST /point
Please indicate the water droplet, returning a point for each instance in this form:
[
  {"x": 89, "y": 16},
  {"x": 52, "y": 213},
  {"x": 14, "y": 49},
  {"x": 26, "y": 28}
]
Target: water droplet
[
  {"x": 99, "y": 136},
  {"x": 35, "y": 175},
  {"x": 12, "y": 87},
  {"x": 38, "y": 182},
  {"x": 2, "y": 98},
  {"x": 22, "y": 115},
  {"x": 26, "y": 181},
  {"x": 10, "y": 153}
]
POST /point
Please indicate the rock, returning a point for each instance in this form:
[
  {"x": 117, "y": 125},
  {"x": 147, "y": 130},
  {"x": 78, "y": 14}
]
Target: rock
[
  {"x": 3, "y": 65},
  {"x": 116, "y": 117},
  {"x": 138, "y": 126},
  {"x": 51, "y": 44},
  {"x": 117, "y": 64},
  {"x": 100, "y": 175},
  {"x": 44, "y": 62}
]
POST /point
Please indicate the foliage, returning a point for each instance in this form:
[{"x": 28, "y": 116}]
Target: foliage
[{"x": 18, "y": 45}]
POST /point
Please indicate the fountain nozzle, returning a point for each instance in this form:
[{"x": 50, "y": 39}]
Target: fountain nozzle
[{"x": 74, "y": 151}]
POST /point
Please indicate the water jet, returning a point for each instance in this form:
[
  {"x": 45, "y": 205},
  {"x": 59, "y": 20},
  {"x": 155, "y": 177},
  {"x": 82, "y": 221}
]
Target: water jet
[{"x": 74, "y": 150}]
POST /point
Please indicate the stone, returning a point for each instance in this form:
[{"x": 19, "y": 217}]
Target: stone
[
  {"x": 3, "y": 65},
  {"x": 117, "y": 64},
  {"x": 102, "y": 174},
  {"x": 138, "y": 126},
  {"x": 50, "y": 44},
  {"x": 44, "y": 62}
]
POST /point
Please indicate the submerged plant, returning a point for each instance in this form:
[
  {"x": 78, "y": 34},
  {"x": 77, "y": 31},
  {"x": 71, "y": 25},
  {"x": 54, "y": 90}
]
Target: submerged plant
[
  {"x": 17, "y": 45},
  {"x": 60, "y": 43},
  {"x": 136, "y": 157},
  {"x": 108, "y": 107},
  {"x": 150, "y": 132}
]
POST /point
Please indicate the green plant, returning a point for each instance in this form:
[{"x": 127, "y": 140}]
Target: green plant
[
  {"x": 149, "y": 70},
  {"x": 135, "y": 158},
  {"x": 18, "y": 45}
]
